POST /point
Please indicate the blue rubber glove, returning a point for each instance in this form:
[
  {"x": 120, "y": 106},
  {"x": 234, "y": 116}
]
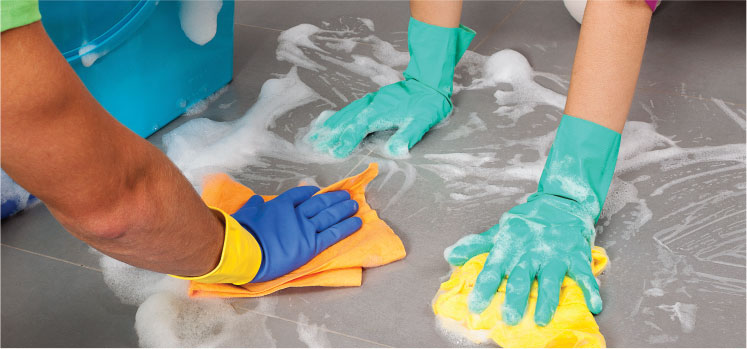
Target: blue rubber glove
[
  {"x": 296, "y": 226},
  {"x": 411, "y": 106},
  {"x": 550, "y": 235}
]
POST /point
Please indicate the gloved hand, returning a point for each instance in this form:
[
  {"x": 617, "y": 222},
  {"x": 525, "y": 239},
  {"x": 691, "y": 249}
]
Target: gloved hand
[
  {"x": 411, "y": 106},
  {"x": 265, "y": 240},
  {"x": 294, "y": 227},
  {"x": 550, "y": 235}
]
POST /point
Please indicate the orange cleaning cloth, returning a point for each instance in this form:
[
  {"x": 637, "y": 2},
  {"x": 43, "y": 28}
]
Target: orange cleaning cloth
[{"x": 374, "y": 244}]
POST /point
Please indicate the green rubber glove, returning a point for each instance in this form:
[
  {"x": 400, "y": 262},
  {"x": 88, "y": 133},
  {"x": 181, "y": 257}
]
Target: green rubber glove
[
  {"x": 411, "y": 106},
  {"x": 550, "y": 235}
]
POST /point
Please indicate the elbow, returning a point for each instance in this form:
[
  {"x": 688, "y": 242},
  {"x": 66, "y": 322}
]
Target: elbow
[
  {"x": 104, "y": 228},
  {"x": 107, "y": 220},
  {"x": 98, "y": 225}
]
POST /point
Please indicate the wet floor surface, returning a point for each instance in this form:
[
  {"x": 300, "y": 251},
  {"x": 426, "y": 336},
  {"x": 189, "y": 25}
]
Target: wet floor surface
[{"x": 674, "y": 226}]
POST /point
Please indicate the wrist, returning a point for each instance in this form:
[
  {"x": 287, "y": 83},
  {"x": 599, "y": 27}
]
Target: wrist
[{"x": 240, "y": 258}]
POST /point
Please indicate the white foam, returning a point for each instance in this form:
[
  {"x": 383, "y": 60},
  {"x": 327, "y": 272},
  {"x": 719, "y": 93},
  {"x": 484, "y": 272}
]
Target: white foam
[
  {"x": 463, "y": 159},
  {"x": 201, "y": 145},
  {"x": 367, "y": 22},
  {"x": 202, "y": 105},
  {"x": 729, "y": 112},
  {"x": 379, "y": 73},
  {"x": 508, "y": 67},
  {"x": 474, "y": 124},
  {"x": 170, "y": 320},
  {"x": 312, "y": 335},
  {"x": 684, "y": 313},
  {"x": 12, "y": 192},
  {"x": 87, "y": 58},
  {"x": 456, "y": 333},
  {"x": 291, "y": 42},
  {"x": 199, "y": 19},
  {"x": 166, "y": 317},
  {"x": 386, "y": 53}
]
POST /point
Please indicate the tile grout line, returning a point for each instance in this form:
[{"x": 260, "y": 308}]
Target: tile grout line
[
  {"x": 259, "y": 27},
  {"x": 494, "y": 29},
  {"x": 325, "y": 329},
  {"x": 53, "y": 258}
]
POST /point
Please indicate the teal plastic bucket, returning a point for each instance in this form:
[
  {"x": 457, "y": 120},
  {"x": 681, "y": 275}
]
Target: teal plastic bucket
[{"x": 135, "y": 58}]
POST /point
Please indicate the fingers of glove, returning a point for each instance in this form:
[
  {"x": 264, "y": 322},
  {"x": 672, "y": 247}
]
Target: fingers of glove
[
  {"x": 518, "y": 287},
  {"x": 317, "y": 203},
  {"x": 337, "y": 232},
  {"x": 581, "y": 273},
  {"x": 349, "y": 139},
  {"x": 467, "y": 247},
  {"x": 487, "y": 284},
  {"x": 334, "y": 214},
  {"x": 405, "y": 138},
  {"x": 328, "y": 136},
  {"x": 298, "y": 195},
  {"x": 550, "y": 279}
]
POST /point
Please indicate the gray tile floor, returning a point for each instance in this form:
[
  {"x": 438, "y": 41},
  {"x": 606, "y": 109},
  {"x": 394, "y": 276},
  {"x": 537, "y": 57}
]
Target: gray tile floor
[{"x": 689, "y": 255}]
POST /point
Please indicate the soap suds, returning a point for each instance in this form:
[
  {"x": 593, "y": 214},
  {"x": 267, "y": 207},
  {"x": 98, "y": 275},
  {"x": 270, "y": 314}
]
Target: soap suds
[
  {"x": 684, "y": 313},
  {"x": 202, "y": 105},
  {"x": 193, "y": 146},
  {"x": 88, "y": 58},
  {"x": 12, "y": 192},
  {"x": 199, "y": 19},
  {"x": 312, "y": 335},
  {"x": 473, "y": 124},
  {"x": 166, "y": 317},
  {"x": 729, "y": 112}
]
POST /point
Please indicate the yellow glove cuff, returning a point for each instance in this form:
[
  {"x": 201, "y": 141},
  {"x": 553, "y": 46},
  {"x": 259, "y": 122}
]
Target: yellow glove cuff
[{"x": 240, "y": 259}]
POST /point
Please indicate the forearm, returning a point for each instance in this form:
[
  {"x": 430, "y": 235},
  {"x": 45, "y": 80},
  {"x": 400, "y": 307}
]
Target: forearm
[
  {"x": 608, "y": 60},
  {"x": 443, "y": 13},
  {"x": 105, "y": 184},
  {"x": 149, "y": 216}
]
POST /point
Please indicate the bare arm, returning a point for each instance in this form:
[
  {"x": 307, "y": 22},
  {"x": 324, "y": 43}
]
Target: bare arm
[
  {"x": 443, "y": 13},
  {"x": 107, "y": 186},
  {"x": 608, "y": 59}
]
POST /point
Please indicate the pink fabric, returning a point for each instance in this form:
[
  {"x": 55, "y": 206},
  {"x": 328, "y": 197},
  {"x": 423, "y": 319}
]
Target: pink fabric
[{"x": 652, "y": 4}]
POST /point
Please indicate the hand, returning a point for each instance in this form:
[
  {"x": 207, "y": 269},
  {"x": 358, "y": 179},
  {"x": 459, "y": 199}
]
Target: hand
[
  {"x": 409, "y": 106},
  {"x": 547, "y": 238},
  {"x": 296, "y": 226},
  {"x": 552, "y": 233}
]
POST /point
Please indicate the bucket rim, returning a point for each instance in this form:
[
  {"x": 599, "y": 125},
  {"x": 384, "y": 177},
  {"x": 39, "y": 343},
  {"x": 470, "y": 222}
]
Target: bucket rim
[{"x": 115, "y": 35}]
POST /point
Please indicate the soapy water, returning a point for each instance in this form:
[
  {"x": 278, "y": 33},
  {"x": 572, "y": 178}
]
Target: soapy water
[
  {"x": 87, "y": 57},
  {"x": 14, "y": 197},
  {"x": 661, "y": 196},
  {"x": 312, "y": 335},
  {"x": 166, "y": 317}
]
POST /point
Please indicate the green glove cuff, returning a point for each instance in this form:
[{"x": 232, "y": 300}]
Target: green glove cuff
[
  {"x": 581, "y": 164},
  {"x": 434, "y": 53}
]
